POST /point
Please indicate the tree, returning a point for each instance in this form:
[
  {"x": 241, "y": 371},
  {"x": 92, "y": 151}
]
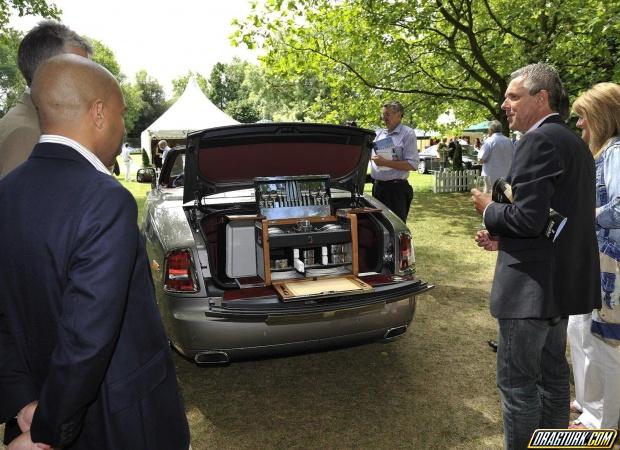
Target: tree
[
  {"x": 433, "y": 54},
  {"x": 229, "y": 90},
  {"x": 104, "y": 55},
  {"x": 287, "y": 97},
  {"x": 26, "y": 8},
  {"x": 12, "y": 84},
  {"x": 225, "y": 82},
  {"x": 131, "y": 93},
  {"x": 179, "y": 84},
  {"x": 135, "y": 105},
  {"x": 153, "y": 102}
]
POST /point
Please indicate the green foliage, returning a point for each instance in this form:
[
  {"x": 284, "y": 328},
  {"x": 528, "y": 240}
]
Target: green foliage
[
  {"x": 430, "y": 54},
  {"x": 135, "y": 105},
  {"x": 243, "y": 110},
  {"x": 229, "y": 90},
  {"x": 146, "y": 162},
  {"x": 103, "y": 55},
  {"x": 12, "y": 84},
  {"x": 26, "y": 8},
  {"x": 226, "y": 81},
  {"x": 153, "y": 102},
  {"x": 179, "y": 84}
]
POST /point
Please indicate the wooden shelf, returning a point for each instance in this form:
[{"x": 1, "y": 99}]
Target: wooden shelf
[{"x": 264, "y": 241}]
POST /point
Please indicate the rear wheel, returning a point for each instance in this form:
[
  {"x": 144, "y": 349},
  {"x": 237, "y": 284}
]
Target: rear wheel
[{"x": 422, "y": 167}]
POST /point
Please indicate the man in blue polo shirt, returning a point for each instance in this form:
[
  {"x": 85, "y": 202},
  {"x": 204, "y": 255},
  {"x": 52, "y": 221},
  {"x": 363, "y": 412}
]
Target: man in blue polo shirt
[{"x": 390, "y": 175}]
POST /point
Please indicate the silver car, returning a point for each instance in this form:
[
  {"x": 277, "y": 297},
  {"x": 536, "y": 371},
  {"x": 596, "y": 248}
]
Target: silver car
[
  {"x": 262, "y": 242},
  {"x": 430, "y": 161}
]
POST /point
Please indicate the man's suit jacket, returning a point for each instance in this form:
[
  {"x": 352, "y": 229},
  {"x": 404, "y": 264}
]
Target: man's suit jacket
[
  {"x": 79, "y": 328},
  {"x": 19, "y": 133},
  {"x": 535, "y": 277}
]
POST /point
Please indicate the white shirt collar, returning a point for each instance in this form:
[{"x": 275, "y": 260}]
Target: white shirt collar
[
  {"x": 537, "y": 124},
  {"x": 86, "y": 153},
  {"x": 396, "y": 129}
]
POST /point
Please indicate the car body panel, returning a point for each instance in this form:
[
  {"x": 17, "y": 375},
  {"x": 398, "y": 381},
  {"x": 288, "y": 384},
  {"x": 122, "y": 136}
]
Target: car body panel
[
  {"x": 430, "y": 157},
  {"x": 286, "y": 333}
]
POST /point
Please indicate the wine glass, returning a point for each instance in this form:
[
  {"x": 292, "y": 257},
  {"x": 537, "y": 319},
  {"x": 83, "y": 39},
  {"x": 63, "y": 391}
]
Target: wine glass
[{"x": 481, "y": 183}]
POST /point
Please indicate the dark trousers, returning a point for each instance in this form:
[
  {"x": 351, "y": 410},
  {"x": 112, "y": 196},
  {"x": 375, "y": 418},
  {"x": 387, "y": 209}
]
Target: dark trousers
[
  {"x": 533, "y": 377},
  {"x": 395, "y": 194}
]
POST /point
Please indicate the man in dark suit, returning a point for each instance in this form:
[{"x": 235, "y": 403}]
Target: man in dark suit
[
  {"x": 538, "y": 283},
  {"x": 84, "y": 361}
]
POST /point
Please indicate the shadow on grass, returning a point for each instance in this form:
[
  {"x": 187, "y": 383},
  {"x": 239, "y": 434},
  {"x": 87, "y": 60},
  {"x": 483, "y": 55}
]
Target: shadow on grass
[
  {"x": 429, "y": 389},
  {"x": 455, "y": 210}
]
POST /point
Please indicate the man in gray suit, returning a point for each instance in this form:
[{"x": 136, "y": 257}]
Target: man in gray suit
[
  {"x": 19, "y": 128},
  {"x": 538, "y": 282}
]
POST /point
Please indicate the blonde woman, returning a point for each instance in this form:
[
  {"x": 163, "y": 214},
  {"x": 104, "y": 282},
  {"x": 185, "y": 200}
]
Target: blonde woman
[{"x": 599, "y": 119}]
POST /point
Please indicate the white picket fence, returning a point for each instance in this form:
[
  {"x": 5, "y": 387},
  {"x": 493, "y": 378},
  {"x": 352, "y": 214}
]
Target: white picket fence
[{"x": 457, "y": 181}]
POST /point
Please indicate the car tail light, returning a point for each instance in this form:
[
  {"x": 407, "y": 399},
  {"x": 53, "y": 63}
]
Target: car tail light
[
  {"x": 406, "y": 254},
  {"x": 180, "y": 274}
]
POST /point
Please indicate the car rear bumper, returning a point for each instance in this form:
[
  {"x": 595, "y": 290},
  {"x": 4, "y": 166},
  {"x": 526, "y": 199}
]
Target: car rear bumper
[{"x": 240, "y": 334}]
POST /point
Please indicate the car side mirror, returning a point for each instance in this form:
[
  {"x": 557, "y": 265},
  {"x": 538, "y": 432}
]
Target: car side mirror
[{"x": 146, "y": 175}]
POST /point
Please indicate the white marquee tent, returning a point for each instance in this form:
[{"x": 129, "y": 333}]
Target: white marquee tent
[{"x": 191, "y": 112}]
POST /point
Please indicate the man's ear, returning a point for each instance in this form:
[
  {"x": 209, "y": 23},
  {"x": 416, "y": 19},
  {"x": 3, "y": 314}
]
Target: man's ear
[
  {"x": 96, "y": 113},
  {"x": 543, "y": 96}
]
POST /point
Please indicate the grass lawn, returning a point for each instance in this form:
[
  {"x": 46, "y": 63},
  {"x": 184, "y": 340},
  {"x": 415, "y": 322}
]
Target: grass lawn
[{"x": 139, "y": 190}]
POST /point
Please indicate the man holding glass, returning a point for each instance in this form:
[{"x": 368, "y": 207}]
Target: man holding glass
[{"x": 538, "y": 281}]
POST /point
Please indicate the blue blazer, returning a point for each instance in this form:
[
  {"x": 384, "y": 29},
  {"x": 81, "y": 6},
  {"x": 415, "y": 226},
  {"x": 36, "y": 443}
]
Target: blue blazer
[
  {"x": 79, "y": 328},
  {"x": 535, "y": 277}
]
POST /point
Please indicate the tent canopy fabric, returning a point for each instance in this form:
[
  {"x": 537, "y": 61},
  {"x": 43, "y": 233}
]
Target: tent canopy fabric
[
  {"x": 191, "y": 112},
  {"x": 480, "y": 127}
]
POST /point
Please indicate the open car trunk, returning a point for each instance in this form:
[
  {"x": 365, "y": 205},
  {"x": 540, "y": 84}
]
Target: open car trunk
[
  {"x": 302, "y": 232},
  {"x": 237, "y": 259}
]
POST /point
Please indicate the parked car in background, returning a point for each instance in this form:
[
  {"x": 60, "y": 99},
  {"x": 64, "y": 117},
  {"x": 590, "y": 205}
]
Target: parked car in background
[
  {"x": 262, "y": 242},
  {"x": 429, "y": 158}
]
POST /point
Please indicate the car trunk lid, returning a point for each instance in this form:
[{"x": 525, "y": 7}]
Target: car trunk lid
[{"x": 229, "y": 158}]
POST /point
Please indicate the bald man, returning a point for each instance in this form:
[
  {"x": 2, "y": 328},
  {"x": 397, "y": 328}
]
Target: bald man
[{"x": 84, "y": 361}]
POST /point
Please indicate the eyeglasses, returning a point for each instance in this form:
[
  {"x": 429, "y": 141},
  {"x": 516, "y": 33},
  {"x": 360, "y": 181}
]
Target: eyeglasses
[{"x": 388, "y": 114}]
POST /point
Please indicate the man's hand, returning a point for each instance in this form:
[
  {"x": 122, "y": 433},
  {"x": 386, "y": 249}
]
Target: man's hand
[
  {"x": 392, "y": 164},
  {"x": 24, "y": 442},
  {"x": 480, "y": 200},
  {"x": 378, "y": 160},
  {"x": 24, "y": 416},
  {"x": 486, "y": 241}
]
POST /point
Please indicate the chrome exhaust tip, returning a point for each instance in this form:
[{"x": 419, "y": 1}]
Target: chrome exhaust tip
[
  {"x": 395, "y": 332},
  {"x": 211, "y": 358}
]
